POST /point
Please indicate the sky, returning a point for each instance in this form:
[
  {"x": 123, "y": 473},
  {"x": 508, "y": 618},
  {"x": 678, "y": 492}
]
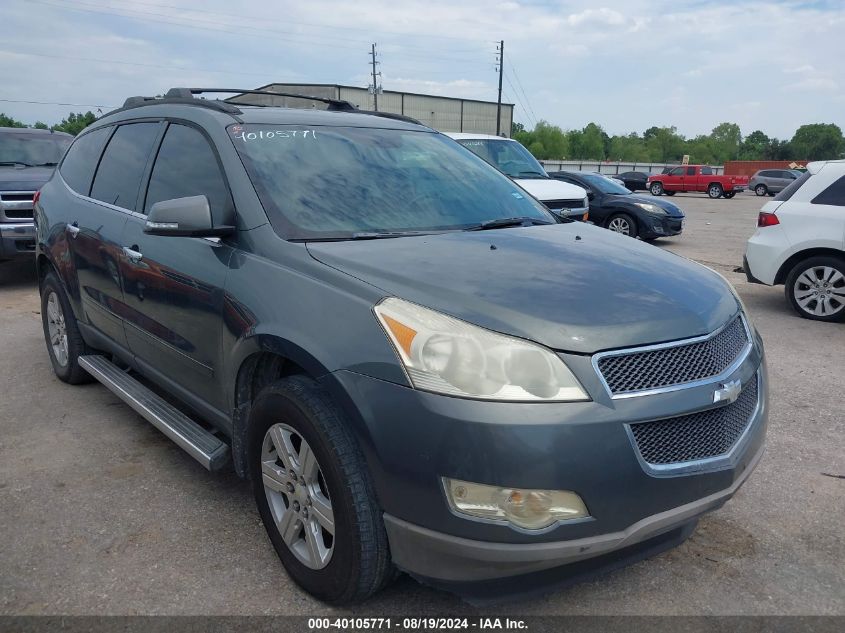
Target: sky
[{"x": 624, "y": 64}]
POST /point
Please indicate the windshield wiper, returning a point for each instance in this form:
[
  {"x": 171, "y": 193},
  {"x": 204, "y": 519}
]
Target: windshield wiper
[
  {"x": 532, "y": 173},
  {"x": 15, "y": 163},
  {"x": 502, "y": 223},
  {"x": 44, "y": 165}
]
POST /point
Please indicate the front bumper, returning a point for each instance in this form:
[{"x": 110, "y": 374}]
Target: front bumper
[
  {"x": 17, "y": 240},
  {"x": 431, "y": 554},
  {"x": 412, "y": 439},
  {"x": 663, "y": 226}
]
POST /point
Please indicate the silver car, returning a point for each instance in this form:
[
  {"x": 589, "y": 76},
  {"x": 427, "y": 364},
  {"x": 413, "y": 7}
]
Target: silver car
[{"x": 771, "y": 181}]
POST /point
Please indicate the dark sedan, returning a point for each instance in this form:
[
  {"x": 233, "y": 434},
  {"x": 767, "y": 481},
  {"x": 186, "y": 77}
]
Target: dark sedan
[
  {"x": 634, "y": 180},
  {"x": 616, "y": 208}
]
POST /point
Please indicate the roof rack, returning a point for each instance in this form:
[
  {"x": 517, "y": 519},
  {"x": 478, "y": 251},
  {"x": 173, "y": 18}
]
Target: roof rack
[{"x": 186, "y": 96}]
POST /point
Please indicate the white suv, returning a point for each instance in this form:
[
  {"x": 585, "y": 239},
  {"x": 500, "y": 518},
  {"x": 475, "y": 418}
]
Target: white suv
[
  {"x": 800, "y": 242},
  {"x": 511, "y": 158}
]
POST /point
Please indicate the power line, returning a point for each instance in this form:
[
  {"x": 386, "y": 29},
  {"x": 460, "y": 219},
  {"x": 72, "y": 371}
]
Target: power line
[
  {"x": 519, "y": 101},
  {"x": 75, "y": 105},
  {"x": 527, "y": 101}
]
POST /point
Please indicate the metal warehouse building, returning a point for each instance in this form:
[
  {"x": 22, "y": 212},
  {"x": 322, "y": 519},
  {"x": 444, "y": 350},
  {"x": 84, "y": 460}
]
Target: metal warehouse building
[{"x": 446, "y": 114}]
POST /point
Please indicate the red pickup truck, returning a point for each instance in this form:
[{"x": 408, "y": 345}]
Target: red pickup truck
[{"x": 696, "y": 178}]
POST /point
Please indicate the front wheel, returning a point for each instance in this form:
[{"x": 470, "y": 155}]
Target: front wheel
[
  {"x": 761, "y": 190},
  {"x": 64, "y": 341},
  {"x": 656, "y": 189},
  {"x": 815, "y": 288},
  {"x": 715, "y": 190},
  {"x": 314, "y": 493},
  {"x": 623, "y": 223}
]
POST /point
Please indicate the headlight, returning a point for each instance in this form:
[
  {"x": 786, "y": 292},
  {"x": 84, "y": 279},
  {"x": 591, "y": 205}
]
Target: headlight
[
  {"x": 528, "y": 509},
  {"x": 445, "y": 355},
  {"x": 651, "y": 208}
]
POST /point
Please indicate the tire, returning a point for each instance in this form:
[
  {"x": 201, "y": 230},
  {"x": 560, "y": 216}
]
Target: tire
[
  {"x": 729, "y": 194},
  {"x": 61, "y": 333},
  {"x": 656, "y": 188},
  {"x": 761, "y": 189},
  {"x": 715, "y": 190},
  {"x": 622, "y": 223},
  {"x": 802, "y": 293},
  {"x": 670, "y": 193},
  {"x": 350, "y": 562}
]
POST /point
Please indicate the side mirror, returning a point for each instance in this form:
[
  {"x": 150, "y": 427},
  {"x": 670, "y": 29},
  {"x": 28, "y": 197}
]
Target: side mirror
[{"x": 184, "y": 217}]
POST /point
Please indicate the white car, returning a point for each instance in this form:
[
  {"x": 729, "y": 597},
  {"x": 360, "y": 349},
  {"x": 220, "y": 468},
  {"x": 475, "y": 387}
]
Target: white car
[
  {"x": 800, "y": 242},
  {"x": 511, "y": 157}
]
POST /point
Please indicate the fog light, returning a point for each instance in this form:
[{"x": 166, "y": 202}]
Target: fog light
[{"x": 529, "y": 509}]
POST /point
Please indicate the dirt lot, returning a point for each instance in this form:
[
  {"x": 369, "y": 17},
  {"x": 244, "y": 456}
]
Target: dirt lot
[{"x": 100, "y": 514}]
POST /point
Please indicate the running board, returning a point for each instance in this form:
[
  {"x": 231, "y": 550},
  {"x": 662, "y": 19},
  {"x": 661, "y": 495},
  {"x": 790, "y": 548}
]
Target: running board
[{"x": 204, "y": 447}]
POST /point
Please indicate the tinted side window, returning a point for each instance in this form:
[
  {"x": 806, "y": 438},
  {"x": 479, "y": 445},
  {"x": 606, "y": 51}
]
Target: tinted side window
[
  {"x": 706, "y": 171},
  {"x": 787, "y": 192},
  {"x": 691, "y": 171},
  {"x": 186, "y": 166},
  {"x": 834, "y": 194},
  {"x": 122, "y": 167},
  {"x": 78, "y": 166},
  {"x": 678, "y": 171}
]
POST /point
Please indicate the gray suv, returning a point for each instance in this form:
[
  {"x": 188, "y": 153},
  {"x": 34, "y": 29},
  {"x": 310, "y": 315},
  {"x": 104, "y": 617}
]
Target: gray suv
[
  {"x": 27, "y": 160},
  {"x": 416, "y": 365},
  {"x": 772, "y": 181}
]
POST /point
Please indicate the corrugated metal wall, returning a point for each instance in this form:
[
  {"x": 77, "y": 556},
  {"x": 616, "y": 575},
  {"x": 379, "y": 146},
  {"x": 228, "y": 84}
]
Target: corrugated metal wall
[
  {"x": 750, "y": 167},
  {"x": 610, "y": 168},
  {"x": 441, "y": 113}
]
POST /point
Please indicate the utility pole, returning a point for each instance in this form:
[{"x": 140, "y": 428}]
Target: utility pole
[
  {"x": 375, "y": 83},
  {"x": 501, "y": 59}
]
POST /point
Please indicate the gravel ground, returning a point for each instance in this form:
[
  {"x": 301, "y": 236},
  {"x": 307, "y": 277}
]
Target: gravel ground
[{"x": 100, "y": 514}]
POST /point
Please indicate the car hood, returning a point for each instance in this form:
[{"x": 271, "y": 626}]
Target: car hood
[
  {"x": 549, "y": 189},
  {"x": 670, "y": 208},
  {"x": 572, "y": 287},
  {"x": 24, "y": 178}
]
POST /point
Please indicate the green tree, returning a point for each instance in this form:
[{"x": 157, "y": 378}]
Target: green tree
[
  {"x": 664, "y": 144},
  {"x": 701, "y": 150},
  {"x": 754, "y": 146},
  {"x": 7, "y": 121},
  {"x": 75, "y": 122},
  {"x": 818, "y": 141},
  {"x": 516, "y": 128},
  {"x": 725, "y": 142},
  {"x": 40, "y": 125},
  {"x": 627, "y": 148}
]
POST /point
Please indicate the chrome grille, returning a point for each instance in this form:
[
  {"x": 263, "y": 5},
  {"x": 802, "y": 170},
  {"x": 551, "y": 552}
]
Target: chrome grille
[
  {"x": 674, "y": 365},
  {"x": 696, "y": 436},
  {"x": 577, "y": 203}
]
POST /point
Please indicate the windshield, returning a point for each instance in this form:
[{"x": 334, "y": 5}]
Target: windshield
[
  {"x": 336, "y": 182},
  {"x": 30, "y": 149},
  {"x": 509, "y": 157},
  {"x": 605, "y": 185}
]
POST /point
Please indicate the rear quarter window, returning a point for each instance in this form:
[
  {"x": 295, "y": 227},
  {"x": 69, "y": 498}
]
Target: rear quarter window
[
  {"x": 787, "y": 192},
  {"x": 77, "y": 168},
  {"x": 834, "y": 195}
]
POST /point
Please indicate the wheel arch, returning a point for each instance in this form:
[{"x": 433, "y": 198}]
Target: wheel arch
[{"x": 793, "y": 259}]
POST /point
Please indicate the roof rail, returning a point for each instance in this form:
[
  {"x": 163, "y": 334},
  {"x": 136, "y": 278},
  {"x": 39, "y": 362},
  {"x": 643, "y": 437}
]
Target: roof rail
[
  {"x": 340, "y": 105},
  {"x": 173, "y": 96}
]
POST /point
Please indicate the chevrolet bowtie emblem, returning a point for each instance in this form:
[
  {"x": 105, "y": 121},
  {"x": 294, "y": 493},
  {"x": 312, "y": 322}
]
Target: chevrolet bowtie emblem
[{"x": 727, "y": 392}]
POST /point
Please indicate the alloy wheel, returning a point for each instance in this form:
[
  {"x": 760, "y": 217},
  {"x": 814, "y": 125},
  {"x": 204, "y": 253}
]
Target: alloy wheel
[
  {"x": 57, "y": 329},
  {"x": 820, "y": 291},
  {"x": 620, "y": 225},
  {"x": 298, "y": 496}
]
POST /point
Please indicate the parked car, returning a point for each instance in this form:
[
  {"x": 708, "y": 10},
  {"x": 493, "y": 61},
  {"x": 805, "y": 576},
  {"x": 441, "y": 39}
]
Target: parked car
[
  {"x": 800, "y": 242},
  {"x": 616, "y": 208},
  {"x": 27, "y": 159},
  {"x": 771, "y": 181},
  {"x": 511, "y": 158},
  {"x": 696, "y": 178},
  {"x": 415, "y": 365},
  {"x": 612, "y": 178},
  {"x": 634, "y": 180}
]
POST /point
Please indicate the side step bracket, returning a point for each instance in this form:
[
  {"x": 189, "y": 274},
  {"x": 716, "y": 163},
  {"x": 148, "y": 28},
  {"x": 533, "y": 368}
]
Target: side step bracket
[{"x": 203, "y": 446}]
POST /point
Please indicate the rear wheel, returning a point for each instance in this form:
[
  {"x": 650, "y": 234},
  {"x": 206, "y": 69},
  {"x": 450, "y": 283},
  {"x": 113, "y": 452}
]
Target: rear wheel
[
  {"x": 815, "y": 288},
  {"x": 656, "y": 188},
  {"x": 64, "y": 342},
  {"x": 715, "y": 190},
  {"x": 623, "y": 223},
  {"x": 761, "y": 190},
  {"x": 314, "y": 493}
]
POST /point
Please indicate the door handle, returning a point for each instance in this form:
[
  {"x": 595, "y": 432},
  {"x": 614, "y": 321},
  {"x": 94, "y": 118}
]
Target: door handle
[
  {"x": 73, "y": 229},
  {"x": 132, "y": 254}
]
